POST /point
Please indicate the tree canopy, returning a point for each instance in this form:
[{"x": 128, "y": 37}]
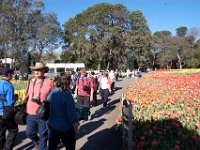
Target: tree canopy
[
  {"x": 104, "y": 36},
  {"x": 25, "y": 28}
]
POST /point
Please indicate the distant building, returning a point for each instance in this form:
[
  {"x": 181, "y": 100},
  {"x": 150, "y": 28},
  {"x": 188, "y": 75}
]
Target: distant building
[
  {"x": 63, "y": 67},
  {"x": 6, "y": 62}
]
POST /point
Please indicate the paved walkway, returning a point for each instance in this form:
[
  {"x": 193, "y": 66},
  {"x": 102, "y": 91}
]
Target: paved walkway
[{"x": 96, "y": 134}]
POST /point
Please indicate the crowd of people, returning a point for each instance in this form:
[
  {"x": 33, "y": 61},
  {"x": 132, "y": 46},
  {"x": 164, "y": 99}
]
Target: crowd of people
[{"x": 63, "y": 122}]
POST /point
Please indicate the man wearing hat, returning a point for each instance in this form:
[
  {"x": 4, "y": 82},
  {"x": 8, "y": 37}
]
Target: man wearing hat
[
  {"x": 7, "y": 98},
  {"x": 38, "y": 90}
]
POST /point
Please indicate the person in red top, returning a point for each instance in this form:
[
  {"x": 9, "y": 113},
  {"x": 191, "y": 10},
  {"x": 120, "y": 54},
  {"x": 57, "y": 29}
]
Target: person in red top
[
  {"x": 37, "y": 91},
  {"x": 84, "y": 90}
]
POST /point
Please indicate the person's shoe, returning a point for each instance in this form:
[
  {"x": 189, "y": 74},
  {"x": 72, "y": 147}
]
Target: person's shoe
[
  {"x": 95, "y": 104},
  {"x": 89, "y": 117},
  {"x": 104, "y": 104}
]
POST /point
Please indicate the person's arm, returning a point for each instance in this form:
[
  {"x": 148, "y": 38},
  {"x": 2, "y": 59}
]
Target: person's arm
[
  {"x": 71, "y": 111},
  {"x": 76, "y": 89},
  {"x": 109, "y": 82},
  {"x": 76, "y": 127},
  {"x": 100, "y": 82},
  {"x": 91, "y": 89},
  {"x": 10, "y": 97},
  {"x": 26, "y": 96},
  {"x": 91, "y": 94}
]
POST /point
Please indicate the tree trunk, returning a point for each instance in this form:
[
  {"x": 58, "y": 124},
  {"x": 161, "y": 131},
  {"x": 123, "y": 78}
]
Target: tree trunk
[
  {"x": 110, "y": 53},
  {"x": 108, "y": 65},
  {"x": 179, "y": 61},
  {"x": 99, "y": 66},
  {"x": 180, "y": 66}
]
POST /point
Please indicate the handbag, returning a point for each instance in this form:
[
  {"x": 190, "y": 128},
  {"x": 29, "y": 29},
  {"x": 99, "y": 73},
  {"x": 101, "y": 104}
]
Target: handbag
[
  {"x": 43, "y": 111},
  {"x": 20, "y": 116}
]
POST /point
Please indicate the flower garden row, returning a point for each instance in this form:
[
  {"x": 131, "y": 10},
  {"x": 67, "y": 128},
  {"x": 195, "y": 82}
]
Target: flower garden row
[
  {"x": 20, "y": 89},
  {"x": 166, "y": 110}
]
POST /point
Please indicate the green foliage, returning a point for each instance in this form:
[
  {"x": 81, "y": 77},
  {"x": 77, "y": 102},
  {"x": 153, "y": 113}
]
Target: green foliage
[
  {"x": 19, "y": 85},
  {"x": 139, "y": 40},
  {"x": 25, "y": 27},
  {"x": 162, "y": 34},
  {"x": 99, "y": 37},
  {"x": 95, "y": 37},
  {"x": 181, "y": 31},
  {"x": 197, "y": 54}
]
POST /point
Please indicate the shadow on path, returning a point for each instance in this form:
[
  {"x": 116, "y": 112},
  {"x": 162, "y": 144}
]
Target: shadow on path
[
  {"x": 89, "y": 127},
  {"x": 110, "y": 107},
  {"x": 28, "y": 146},
  {"x": 107, "y": 139},
  {"x": 19, "y": 139}
]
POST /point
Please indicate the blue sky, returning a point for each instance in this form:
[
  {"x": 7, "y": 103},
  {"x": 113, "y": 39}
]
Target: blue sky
[{"x": 160, "y": 14}]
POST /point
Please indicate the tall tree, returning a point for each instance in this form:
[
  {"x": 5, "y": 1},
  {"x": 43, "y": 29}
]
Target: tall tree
[
  {"x": 157, "y": 47},
  {"x": 90, "y": 32},
  {"x": 24, "y": 27},
  {"x": 140, "y": 37},
  {"x": 16, "y": 15},
  {"x": 162, "y": 34},
  {"x": 181, "y": 31},
  {"x": 46, "y": 33},
  {"x": 180, "y": 51},
  {"x": 196, "y": 60}
]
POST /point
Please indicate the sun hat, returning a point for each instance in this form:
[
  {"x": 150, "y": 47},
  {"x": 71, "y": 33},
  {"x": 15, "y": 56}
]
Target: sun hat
[
  {"x": 39, "y": 66},
  {"x": 5, "y": 71}
]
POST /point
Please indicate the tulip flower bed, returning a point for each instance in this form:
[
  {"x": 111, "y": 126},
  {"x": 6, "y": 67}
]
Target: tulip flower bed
[
  {"x": 20, "y": 89},
  {"x": 166, "y": 110}
]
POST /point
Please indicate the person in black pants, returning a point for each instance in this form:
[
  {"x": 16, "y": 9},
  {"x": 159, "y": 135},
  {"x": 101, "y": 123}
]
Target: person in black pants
[
  {"x": 105, "y": 88},
  {"x": 96, "y": 86},
  {"x": 7, "y": 98}
]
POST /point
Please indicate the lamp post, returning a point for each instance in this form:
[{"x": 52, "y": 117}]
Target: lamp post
[
  {"x": 24, "y": 68},
  {"x": 130, "y": 60}
]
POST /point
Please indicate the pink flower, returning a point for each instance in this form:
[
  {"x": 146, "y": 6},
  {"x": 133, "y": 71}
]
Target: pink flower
[{"x": 181, "y": 113}]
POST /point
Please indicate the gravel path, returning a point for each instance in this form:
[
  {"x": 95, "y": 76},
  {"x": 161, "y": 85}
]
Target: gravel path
[{"x": 96, "y": 134}]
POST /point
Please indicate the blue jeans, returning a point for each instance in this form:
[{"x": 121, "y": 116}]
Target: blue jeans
[
  {"x": 68, "y": 138},
  {"x": 35, "y": 126}
]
